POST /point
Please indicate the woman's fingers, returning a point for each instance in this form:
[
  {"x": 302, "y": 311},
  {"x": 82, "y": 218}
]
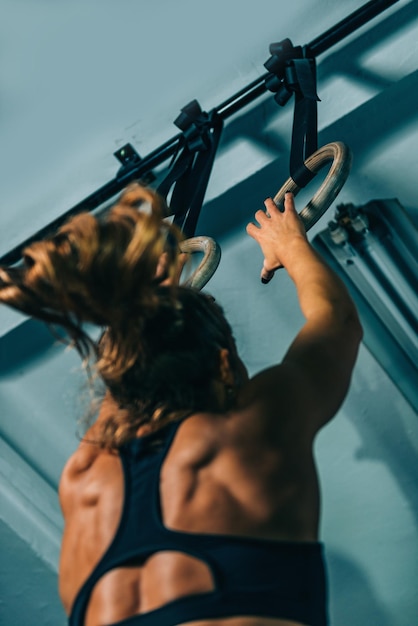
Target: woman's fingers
[
  {"x": 272, "y": 233},
  {"x": 289, "y": 201},
  {"x": 288, "y": 205},
  {"x": 271, "y": 207},
  {"x": 266, "y": 275},
  {"x": 252, "y": 230},
  {"x": 261, "y": 216}
]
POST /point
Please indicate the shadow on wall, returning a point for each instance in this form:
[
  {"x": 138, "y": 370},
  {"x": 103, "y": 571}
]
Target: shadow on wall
[
  {"x": 364, "y": 129},
  {"x": 355, "y": 600},
  {"x": 346, "y": 60},
  {"x": 387, "y": 434},
  {"x": 22, "y": 347},
  {"x": 376, "y": 120}
]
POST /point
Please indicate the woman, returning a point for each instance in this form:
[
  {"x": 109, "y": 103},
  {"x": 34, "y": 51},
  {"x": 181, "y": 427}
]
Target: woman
[{"x": 193, "y": 498}]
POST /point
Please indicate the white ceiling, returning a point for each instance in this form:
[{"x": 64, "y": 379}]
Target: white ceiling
[{"x": 80, "y": 79}]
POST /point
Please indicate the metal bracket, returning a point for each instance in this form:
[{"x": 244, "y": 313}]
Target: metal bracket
[{"x": 130, "y": 159}]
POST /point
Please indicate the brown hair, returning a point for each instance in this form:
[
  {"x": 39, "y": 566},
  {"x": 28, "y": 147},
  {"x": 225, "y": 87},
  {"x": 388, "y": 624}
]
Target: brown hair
[{"x": 159, "y": 350}]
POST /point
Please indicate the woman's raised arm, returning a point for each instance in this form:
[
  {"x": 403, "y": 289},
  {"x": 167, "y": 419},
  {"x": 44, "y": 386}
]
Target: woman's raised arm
[{"x": 314, "y": 376}]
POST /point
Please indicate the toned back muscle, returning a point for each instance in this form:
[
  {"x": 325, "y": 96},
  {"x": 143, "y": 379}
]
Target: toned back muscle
[{"x": 211, "y": 482}]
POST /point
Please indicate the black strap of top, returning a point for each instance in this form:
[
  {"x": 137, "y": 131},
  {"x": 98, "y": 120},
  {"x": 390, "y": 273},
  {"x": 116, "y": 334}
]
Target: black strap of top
[
  {"x": 191, "y": 167},
  {"x": 291, "y": 72}
]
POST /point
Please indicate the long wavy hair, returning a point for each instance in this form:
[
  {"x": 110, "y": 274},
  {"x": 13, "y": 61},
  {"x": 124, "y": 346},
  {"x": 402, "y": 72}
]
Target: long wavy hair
[{"x": 158, "y": 351}]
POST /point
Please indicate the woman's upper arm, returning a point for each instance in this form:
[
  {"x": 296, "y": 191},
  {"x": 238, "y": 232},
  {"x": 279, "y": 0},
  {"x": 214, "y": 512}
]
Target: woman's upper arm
[{"x": 306, "y": 390}]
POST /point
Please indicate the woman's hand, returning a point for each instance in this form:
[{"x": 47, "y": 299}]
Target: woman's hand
[
  {"x": 276, "y": 233},
  {"x": 162, "y": 269}
]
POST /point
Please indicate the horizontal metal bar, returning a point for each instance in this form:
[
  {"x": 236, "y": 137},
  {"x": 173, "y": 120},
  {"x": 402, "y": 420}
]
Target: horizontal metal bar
[
  {"x": 242, "y": 98},
  {"x": 348, "y": 25}
]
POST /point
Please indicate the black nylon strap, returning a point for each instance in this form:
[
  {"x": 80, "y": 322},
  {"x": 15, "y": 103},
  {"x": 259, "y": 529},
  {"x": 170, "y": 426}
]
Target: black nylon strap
[
  {"x": 191, "y": 168},
  {"x": 305, "y": 124},
  {"x": 292, "y": 73}
]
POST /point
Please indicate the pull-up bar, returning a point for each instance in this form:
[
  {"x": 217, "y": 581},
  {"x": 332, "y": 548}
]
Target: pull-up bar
[{"x": 133, "y": 167}]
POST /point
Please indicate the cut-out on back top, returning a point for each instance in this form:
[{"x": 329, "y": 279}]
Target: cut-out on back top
[{"x": 252, "y": 577}]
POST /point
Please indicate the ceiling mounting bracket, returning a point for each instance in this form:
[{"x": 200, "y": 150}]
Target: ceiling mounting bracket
[{"x": 130, "y": 160}]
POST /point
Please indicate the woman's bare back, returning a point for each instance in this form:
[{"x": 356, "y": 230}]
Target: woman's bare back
[{"x": 210, "y": 483}]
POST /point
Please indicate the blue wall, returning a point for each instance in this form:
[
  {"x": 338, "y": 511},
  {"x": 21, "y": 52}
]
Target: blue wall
[{"x": 81, "y": 79}]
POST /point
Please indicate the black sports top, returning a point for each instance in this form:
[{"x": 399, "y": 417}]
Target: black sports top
[{"x": 252, "y": 577}]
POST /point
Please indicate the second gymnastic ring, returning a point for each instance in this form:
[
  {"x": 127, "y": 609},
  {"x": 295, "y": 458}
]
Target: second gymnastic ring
[
  {"x": 209, "y": 263},
  {"x": 341, "y": 158}
]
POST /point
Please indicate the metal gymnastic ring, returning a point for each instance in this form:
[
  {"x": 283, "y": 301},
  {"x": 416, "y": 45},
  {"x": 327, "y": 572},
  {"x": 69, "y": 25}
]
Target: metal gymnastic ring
[
  {"x": 337, "y": 152},
  {"x": 209, "y": 263},
  {"x": 341, "y": 158}
]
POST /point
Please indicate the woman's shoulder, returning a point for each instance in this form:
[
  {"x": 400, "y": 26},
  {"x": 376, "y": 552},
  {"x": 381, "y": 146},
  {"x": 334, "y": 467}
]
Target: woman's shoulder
[
  {"x": 86, "y": 470},
  {"x": 271, "y": 410},
  {"x": 205, "y": 438},
  {"x": 218, "y": 458},
  {"x": 198, "y": 440}
]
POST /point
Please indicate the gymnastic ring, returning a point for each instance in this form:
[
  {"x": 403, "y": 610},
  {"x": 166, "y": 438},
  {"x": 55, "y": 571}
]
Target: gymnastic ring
[
  {"x": 341, "y": 158},
  {"x": 209, "y": 263}
]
